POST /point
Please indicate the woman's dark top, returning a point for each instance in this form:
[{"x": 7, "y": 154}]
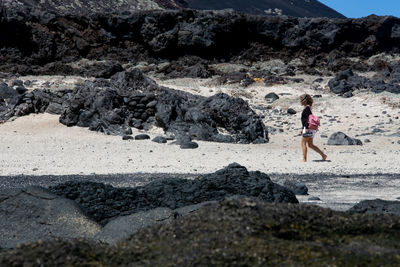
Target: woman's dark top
[{"x": 304, "y": 116}]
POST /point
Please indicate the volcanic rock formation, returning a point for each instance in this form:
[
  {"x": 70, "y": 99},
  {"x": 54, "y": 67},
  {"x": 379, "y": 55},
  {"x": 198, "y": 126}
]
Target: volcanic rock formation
[
  {"x": 104, "y": 202},
  {"x": 35, "y": 42},
  {"x": 131, "y": 99}
]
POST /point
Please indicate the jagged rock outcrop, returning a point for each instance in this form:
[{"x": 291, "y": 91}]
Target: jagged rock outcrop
[
  {"x": 40, "y": 38},
  {"x": 346, "y": 82},
  {"x": 131, "y": 99},
  {"x": 104, "y": 202}
]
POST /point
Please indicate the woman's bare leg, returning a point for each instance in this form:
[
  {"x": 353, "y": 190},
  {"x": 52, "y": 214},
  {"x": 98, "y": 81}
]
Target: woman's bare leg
[
  {"x": 315, "y": 148},
  {"x": 304, "y": 147}
]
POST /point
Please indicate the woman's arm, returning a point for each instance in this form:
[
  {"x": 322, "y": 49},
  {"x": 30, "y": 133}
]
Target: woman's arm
[{"x": 304, "y": 117}]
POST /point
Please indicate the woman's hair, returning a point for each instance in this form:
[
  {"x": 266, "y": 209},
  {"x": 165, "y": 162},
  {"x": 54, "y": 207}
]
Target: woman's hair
[{"x": 306, "y": 99}]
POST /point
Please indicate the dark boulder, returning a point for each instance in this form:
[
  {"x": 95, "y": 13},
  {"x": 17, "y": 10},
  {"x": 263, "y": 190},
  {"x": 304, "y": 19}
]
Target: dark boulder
[
  {"x": 341, "y": 139},
  {"x": 291, "y": 111},
  {"x": 159, "y": 139},
  {"x": 271, "y": 97},
  {"x": 189, "y": 145},
  {"x": 104, "y": 202},
  {"x": 377, "y": 206},
  {"x": 346, "y": 81},
  {"x": 142, "y": 137},
  {"x": 296, "y": 188},
  {"x": 127, "y": 137}
]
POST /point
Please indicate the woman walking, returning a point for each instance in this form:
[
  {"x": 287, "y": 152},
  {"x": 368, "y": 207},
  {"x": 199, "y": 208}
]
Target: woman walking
[{"x": 307, "y": 133}]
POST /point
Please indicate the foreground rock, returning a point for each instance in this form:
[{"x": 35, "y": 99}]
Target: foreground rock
[
  {"x": 124, "y": 227},
  {"x": 31, "y": 214},
  {"x": 377, "y": 206},
  {"x": 237, "y": 232},
  {"x": 104, "y": 202},
  {"x": 341, "y": 139}
]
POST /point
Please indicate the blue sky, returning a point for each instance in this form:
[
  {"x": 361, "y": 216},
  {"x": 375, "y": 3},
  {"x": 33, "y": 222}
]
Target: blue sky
[{"x": 362, "y": 8}]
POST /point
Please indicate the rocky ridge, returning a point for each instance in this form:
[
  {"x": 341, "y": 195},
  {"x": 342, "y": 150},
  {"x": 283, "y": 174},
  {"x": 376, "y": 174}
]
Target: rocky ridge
[{"x": 47, "y": 43}]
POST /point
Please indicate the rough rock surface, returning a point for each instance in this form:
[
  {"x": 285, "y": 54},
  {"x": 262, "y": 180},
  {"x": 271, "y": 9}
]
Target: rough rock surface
[
  {"x": 296, "y": 188},
  {"x": 31, "y": 214},
  {"x": 240, "y": 232},
  {"x": 13, "y": 103},
  {"x": 39, "y": 38},
  {"x": 131, "y": 99},
  {"x": 104, "y": 202},
  {"x": 341, "y": 139},
  {"x": 377, "y": 206},
  {"x": 124, "y": 226},
  {"x": 346, "y": 82},
  {"x": 85, "y": 7}
]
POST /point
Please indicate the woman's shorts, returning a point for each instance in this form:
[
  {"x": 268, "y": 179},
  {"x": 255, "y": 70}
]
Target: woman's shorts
[{"x": 310, "y": 133}]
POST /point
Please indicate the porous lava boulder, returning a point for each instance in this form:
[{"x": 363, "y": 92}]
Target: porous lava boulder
[
  {"x": 34, "y": 213},
  {"x": 377, "y": 206},
  {"x": 341, "y": 139},
  {"x": 104, "y": 202}
]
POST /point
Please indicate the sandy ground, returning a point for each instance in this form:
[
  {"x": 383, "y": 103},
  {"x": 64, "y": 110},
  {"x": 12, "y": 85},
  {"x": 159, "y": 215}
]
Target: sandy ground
[{"x": 40, "y": 145}]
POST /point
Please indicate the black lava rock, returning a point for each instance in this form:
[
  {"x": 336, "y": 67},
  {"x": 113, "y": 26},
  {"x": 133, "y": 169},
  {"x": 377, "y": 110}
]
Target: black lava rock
[
  {"x": 291, "y": 111},
  {"x": 189, "y": 145},
  {"x": 127, "y": 137},
  {"x": 342, "y": 139},
  {"x": 104, "y": 202},
  {"x": 296, "y": 188},
  {"x": 271, "y": 97},
  {"x": 159, "y": 139},
  {"x": 142, "y": 137}
]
